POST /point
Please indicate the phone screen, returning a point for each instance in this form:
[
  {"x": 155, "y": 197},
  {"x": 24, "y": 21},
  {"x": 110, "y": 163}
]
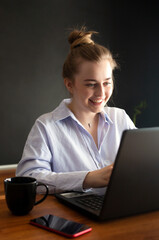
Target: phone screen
[{"x": 61, "y": 225}]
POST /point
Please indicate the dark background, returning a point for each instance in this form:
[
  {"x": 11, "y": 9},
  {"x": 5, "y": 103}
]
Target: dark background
[{"x": 33, "y": 47}]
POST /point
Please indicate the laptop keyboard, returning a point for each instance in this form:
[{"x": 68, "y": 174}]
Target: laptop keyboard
[{"x": 93, "y": 201}]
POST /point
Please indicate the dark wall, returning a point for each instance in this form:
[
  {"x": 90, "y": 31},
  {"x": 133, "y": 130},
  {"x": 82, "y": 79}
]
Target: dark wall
[
  {"x": 33, "y": 46},
  {"x": 135, "y": 36}
]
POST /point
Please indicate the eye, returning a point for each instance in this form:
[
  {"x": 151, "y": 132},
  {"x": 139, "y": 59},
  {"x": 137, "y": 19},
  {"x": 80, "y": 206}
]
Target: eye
[
  {"x": 107, "y": 83},
  {"x": 90, "y": 85}
]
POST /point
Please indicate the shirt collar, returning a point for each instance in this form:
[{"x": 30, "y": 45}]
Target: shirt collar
[
  {"x": 63, "y": 112},
  {"x": 105, "y": 116}
]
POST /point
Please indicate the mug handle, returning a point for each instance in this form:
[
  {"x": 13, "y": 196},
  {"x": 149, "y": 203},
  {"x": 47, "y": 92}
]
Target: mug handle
[{"x": 47, "y": 192}]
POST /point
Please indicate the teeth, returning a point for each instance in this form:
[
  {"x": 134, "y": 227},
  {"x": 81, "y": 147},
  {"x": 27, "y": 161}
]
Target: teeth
[{"x": 97, "y": 101}]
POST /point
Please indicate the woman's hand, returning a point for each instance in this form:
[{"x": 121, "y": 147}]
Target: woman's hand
[{"x": 98, "y": 178}]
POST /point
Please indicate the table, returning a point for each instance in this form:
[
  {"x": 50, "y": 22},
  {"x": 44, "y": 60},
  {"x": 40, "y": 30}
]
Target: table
[
  {"x": 145, "y": 226},
  {"x": 141, "y": 227}
]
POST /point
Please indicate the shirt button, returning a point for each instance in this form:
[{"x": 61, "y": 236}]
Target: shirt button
[{"x": 100, "y": 165}]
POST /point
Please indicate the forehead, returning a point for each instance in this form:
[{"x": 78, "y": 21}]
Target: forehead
[{"x": 94, "y": 70}]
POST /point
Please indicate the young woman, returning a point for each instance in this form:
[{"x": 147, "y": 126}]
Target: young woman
[{"x": 74, "y": 147}]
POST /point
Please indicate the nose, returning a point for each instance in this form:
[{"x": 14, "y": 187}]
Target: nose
[{"x": 100, "y": 91}]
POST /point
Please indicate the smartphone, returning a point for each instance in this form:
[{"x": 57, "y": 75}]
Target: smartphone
[{"x": 61, "y": 226}]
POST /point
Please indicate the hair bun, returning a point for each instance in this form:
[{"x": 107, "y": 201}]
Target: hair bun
[{"x": 80, "y": 37}]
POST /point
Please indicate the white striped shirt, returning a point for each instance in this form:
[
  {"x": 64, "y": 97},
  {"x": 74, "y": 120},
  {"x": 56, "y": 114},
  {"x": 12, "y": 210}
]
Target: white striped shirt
[{"x": 60, "y": 152}]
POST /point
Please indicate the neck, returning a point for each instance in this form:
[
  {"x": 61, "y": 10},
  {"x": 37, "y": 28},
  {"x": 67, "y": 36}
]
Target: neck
[{"x": 87, "y": 119}]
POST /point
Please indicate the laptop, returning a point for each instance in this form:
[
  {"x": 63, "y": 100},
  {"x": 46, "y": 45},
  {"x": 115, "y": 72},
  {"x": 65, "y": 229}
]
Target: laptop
[{"x": 134, "y": 184}]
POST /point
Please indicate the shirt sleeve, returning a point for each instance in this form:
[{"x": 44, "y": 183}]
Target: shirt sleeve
[
  {"x": 130, "y": 124},
  {"x": 37, "y": 162},
  {"x": 58, "y": 182}
]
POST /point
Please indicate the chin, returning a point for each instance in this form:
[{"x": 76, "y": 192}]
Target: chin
[{"x": 97, "y": 110}]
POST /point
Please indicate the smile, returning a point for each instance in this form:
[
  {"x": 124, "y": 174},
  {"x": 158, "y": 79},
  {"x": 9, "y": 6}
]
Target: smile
[{"x": 97, "y": 101}]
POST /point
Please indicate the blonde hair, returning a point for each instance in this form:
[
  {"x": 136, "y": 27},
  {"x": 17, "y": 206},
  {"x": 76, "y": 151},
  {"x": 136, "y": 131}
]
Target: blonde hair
[{"x": 82, "y": 47}]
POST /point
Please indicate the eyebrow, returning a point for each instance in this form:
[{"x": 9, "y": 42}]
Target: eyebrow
[{"x": 93, "y": 80}]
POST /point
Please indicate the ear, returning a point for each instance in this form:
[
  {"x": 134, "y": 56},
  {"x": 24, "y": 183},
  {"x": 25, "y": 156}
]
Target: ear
[{"x": 69, "y": 84}]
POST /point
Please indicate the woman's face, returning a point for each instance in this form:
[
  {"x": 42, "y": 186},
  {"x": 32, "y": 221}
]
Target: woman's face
[{"x": 92, "y": 86}]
